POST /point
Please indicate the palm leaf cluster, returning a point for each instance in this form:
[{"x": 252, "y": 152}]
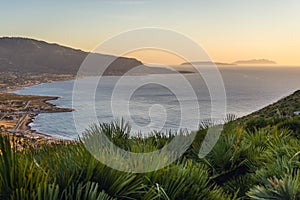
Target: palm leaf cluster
[{"x": 258, "y": 162}]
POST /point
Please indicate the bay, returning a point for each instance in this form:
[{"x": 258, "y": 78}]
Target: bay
[{"x": 247, "y": 89}]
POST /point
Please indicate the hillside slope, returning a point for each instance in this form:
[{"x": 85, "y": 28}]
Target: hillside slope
[
  {"x": 284, "y": 107},
  {"x": 29, "y": 55}
]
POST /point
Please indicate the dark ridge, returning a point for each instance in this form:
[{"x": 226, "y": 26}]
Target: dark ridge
[{"x": 29, "y": 55}]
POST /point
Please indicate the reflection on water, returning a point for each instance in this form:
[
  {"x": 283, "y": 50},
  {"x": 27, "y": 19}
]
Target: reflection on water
[{"x": 247, "y": 89}]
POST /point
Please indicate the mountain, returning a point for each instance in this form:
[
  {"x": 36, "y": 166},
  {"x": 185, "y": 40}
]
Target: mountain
[
  {"x": 255, "y": 62},
  {"x": 29, "y": 55}
]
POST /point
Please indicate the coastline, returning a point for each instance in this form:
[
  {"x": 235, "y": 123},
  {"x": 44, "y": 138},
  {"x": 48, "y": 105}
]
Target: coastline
[
  {"x": 18, "y": 111},
  {"x": 15, "y": 103}
]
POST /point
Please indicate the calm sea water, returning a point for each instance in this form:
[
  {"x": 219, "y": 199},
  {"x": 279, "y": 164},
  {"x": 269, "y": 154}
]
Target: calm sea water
[{"x": 247, "y": 89}]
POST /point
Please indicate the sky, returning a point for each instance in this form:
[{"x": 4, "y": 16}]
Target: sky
[{"x": 228, "y": 30}]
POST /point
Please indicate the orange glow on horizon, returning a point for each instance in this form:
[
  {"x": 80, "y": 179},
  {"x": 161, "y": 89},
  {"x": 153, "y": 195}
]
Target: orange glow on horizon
[
  {"x": 155, "y": 56},
  {"x": 282, "y": 53},
  {"x": 219, "y": 55}
]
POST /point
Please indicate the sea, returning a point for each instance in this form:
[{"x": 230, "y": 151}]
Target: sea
[{"x": 162, "y": 102}]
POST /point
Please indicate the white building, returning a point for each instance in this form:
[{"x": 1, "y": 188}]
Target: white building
[{"x": 297, "y": 113}]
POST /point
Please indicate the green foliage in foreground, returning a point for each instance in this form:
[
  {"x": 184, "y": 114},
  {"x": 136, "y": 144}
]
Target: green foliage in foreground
[{"x": 258, "y": 163}]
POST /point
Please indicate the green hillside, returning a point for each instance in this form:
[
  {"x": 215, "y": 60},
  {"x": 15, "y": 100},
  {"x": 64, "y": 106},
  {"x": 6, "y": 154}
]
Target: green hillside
[{"x": 284, "y": 107}]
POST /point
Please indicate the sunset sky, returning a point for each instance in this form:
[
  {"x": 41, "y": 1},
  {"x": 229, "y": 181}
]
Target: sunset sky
[{"x": 228, "y": 30}]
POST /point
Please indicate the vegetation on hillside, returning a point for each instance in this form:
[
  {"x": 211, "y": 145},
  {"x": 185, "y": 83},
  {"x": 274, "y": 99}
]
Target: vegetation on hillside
[
  {"x": 259, "y": 164},
  {"x": 285, "y": 107},
  {"x": 254, "y": 158}
]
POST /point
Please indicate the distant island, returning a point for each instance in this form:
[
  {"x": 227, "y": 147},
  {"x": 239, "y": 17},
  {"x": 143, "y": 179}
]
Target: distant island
[
  {"x": 205, "y": 63},
  {"x": 255, "y": 62},
  {"x": 239, "y": 62}
]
